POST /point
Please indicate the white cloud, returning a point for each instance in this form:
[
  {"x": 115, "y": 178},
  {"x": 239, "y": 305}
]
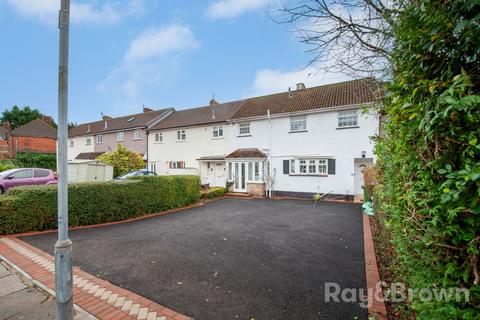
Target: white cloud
[
  {"x": 233, "y": 8},
  {"x": 159, "y": 42},
  {"x": 46, "y": 11},
  {"x": 272, "y": 81},
  {"x": 153, "y": 60}
]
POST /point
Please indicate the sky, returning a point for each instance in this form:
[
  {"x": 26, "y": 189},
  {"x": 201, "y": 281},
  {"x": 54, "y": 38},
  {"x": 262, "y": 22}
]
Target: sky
[{"x": 125, "y": 54}]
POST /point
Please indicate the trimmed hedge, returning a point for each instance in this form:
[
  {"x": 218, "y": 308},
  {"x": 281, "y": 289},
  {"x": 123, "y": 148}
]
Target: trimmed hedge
[
  {"x": 213, "y": 193},
  {"x": 34, "y": 208}
]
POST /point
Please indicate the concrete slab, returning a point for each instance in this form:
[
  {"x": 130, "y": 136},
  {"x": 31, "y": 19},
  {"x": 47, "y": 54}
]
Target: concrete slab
[
  {"x": 26, "y": 302},
  {"x": 10, "y": 284},
  {"x": 3, "y": 272}
]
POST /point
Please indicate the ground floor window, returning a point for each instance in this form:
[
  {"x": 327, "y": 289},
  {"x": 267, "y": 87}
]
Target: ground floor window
[
  {"x": 254, "y": 172},
  {"x": 153, "y": 166},
  {"x": 309, "y": 166},
  {"x": 176, "y": 165}
]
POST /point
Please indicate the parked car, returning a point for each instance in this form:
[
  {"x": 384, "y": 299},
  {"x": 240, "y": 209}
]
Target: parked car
[
  {"x": 137, "y": 173},
  {"x": 25, "y": 176}
]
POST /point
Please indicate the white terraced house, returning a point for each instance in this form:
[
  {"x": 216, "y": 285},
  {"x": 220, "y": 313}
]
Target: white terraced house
[{"x": 301, "y": 142}]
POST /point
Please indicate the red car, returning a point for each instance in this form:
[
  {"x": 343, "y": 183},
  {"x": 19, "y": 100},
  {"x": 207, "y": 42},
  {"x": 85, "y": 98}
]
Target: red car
[{"x": 25, "y": 176}]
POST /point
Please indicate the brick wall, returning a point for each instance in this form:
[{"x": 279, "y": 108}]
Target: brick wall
[
  {"x": 256, "y": 189},
  {"x": 42, "y": 145},
  {"x": 4, "y": 150}
]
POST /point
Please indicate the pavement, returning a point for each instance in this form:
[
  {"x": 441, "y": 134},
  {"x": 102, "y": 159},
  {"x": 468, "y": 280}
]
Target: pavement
[
  {"x": 232, "y": 258},
  {"x": 19, "y": 300}
]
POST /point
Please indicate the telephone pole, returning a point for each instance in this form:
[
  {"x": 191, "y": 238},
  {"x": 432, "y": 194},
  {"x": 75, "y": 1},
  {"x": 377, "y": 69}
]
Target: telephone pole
[{"x": 63, "y": 246}]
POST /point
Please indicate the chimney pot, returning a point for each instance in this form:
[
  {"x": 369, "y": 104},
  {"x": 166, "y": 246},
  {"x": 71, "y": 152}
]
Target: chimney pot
[
  {"x": 300, "y": 86},
  {"x": 213, "y": 102},
  {"x": 48, "y": 120},
  {"x": 104, "y": 117}
]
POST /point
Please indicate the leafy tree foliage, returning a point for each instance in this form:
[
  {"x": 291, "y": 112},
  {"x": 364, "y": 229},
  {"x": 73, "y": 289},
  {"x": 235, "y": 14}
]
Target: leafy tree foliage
[
  {"x": 429, "y": 154},
  {"x": 122, "y": 160},
  {"x": 17, "y": 117}
]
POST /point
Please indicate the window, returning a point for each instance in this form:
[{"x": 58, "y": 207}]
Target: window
[
  {"x": 292, "y": 166},
  {"x": 312, "y": 168},
  {"x": 71, "y": 144},
  {"x": 88, "y": 141},
  {"x": 131, "y": 119},
  {"x": 230, "y": 172},
  {"x": 250, "y": 171},
  {"x": 244, "y": 129},
  {"x": 22, "y": 174},
  {"x": 40, "y": 173},
  {"x": 153, "y": 168},
  {"x": 322, "y": 166},
  {"x": 99, "y": 139},
  {"x": 303, "y": 166},
  {"x": 181, "y": 135},
  {"x": 298, "y": 123},
  {"x": 158, "y": 137},
  {"x": 137, "y": 134},
  {"x": 120, "y": 136},
  {"x": 177, "y": 164},
  {"x": 217, "y": 131},
  {"x": 256, "y": 172},
  {"x": 347, "y": 118}
]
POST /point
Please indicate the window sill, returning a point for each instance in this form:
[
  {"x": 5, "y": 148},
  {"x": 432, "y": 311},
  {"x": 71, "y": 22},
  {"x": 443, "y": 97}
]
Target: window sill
[
  {"x": 99, "y": 143},
  {"x": 299, "y": 131},
  {"x": 138, "y": 139},
  {"x": 352, "y": 127},
  {"x": 181, "y": 140},
  {"x": 244, "y": 135},
  {"x": 255, "y": 182},
  {"x": 158, "y": 142},
  {"x": 217, "y": 138},
  {"x": 307, "y": 175},
  {"x": 120, "y": 140}
]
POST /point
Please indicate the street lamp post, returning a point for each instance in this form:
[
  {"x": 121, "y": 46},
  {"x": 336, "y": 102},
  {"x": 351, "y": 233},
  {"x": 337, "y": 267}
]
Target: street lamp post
[{"x": 63, "y": 246}]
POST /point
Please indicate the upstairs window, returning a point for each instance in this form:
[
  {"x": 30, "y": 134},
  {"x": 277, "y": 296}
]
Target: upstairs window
[
  {"x": 176, "y": 165},
  {"x": 347, "y": 118},
  {"x": 137, "y": 134},
  {"x": 88, "y": 141},
  {"x": 217, "y": 131},
  {"x": 71, "y": 143},
  {"x": 298, "y": 123},
  {"x": 244, "y": 129},
  {"x": 158, "y": 137},
  {"x": 120, "y": 136},
  {"x": 181, "y": 135},
  {"x": 99, "y": 139}
]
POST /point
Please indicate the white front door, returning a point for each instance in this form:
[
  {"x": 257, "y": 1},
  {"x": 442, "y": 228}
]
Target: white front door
[
  {"x": 219, "y": 174},
  {"x": 239, "y": 176},
  {"x": 360, "y": 165}
]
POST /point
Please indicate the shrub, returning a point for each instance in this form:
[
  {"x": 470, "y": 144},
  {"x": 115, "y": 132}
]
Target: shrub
[
  {"x": 7, "y": 165},
  {"x": 213, "y": 193},
  {"x": 428, "y": 158},
  {"x": 34, "y": 208},
  {"x": 122, "y": 160},
  {"x": 36, "y": 160}
]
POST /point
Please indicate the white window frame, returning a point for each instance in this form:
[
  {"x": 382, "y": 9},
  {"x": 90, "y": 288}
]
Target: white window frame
[
  {"x": 244, "y": 127},
  {"x": 158, "y": 137},
  {"x": 121, "y": 136},
  {"x": 99, "y": 139},
  {"x": 298, "y": 123},
  {"x": 347, "y": 118},
  {"x": 88, "y": 141},
  {"x": 137, "y": 134},
  {"x": 72, "y": 144},
  {"x": 177, "y": 164},
  {"x": 181, "y": 135},
  {"x": 217, "y": 132},
  {"x": 309, "y": 167},
  {"x": 153, "y": 167}
]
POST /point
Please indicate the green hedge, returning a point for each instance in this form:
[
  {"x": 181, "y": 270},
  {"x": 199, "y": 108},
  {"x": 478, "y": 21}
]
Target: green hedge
[
  {"x": 213, "y": 193},
  {"x": 30, "y": 160},
  {"x": 34, "y": 208}
]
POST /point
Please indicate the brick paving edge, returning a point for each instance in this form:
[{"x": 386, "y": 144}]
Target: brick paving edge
[
  {"x": 35, "y": 283},
  {"x": 377, "y": 308}
]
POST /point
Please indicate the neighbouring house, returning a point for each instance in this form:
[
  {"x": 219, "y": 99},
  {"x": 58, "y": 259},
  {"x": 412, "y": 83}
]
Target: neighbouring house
[
  {"x": 89, "y": 140},
  {"x": 305, "y": 141},
  {"x": 4, "y": 150},
  {"x": 35, "y": 136},
  {"x": 193, "y": 141},
  {"x": 297, "y": 143}
]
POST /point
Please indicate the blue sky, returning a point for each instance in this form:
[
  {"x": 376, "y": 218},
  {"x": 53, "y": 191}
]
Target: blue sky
[{"x": 158, "y": 53}]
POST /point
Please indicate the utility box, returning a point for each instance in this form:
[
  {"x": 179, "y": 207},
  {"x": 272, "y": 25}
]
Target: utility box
[{"x": 89, "y": 171}]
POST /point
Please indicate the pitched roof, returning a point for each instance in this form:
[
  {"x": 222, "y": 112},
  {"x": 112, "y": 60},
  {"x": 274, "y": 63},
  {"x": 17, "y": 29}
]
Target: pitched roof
[
  {"x": 246, "y": 153},
  {"x": 327, "y": 96},
  {"x": 125, "y": 122},
  {"x": 35, "y": 128},
  {"x": 3, "y": 131},
  {"x": 88, "y": 155},
  {"x": 201, "y": 115}
]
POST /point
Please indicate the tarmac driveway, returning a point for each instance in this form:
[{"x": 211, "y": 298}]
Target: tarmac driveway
[{"x": 232, "y": 258}]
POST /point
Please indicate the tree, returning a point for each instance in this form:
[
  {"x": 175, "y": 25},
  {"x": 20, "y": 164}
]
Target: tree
[
  {"x": 17, "y": 117},
  {"x": 348, "y": 36},
  {"x": 122, "y": 160}
]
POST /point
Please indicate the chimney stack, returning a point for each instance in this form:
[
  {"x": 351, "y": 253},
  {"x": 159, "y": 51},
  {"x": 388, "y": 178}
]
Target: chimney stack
[
  {"x": 145, "y": 109},
  {"x": 213, "y": 102},
  {"x": 6, "y": 126},
  {"x": 105, "y": 117},
  {"x": 300, "y": 86},
  {"x": 48, "y": 120}
]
